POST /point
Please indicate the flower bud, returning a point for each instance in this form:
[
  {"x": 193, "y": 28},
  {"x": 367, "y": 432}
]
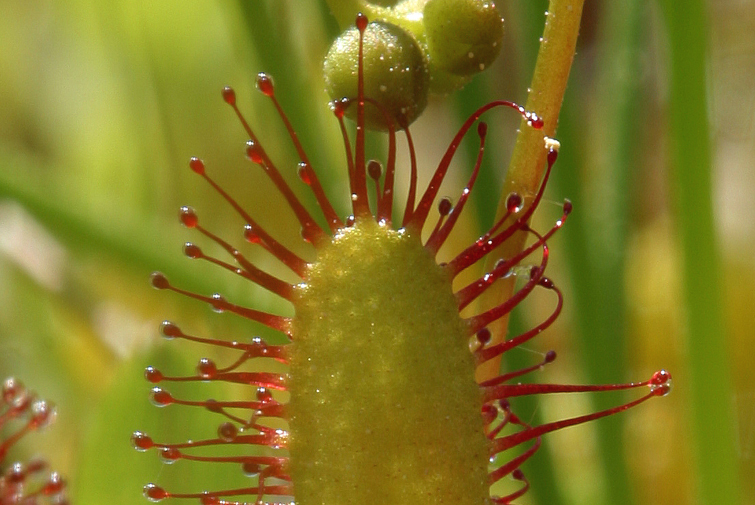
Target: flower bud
[
  {"x": 463, "y": 36},
  {"x": 395, "y": 73}
]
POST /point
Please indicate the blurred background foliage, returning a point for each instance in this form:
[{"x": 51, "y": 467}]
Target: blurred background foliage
[{"x": 102, "y": 104}]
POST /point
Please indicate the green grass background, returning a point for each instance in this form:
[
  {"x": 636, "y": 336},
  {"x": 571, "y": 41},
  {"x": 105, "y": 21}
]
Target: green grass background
[{"x": 102, "y": 104}]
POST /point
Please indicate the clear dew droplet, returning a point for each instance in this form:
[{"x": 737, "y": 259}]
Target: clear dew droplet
[
  {"x": 170, "y": 455},
  {"x": 154, "y": 493},
  {"x": 661, "y": 383},
  {"x": 227, "y": 432},
  {"x": 141, "y": 441},
  {"x": 218, "y": 303},
  {"x": 264, "y": 395},
  {"x": 160, "y": 398},
  {"x": 514, "y": 203},
  {"x": 206, "y": 368}
]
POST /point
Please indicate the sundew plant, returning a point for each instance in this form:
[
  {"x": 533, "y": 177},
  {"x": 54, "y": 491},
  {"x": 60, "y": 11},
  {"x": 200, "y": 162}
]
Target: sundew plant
[
  {"x": 416, "y": 274},
  {"x": 377, "y": 400}
]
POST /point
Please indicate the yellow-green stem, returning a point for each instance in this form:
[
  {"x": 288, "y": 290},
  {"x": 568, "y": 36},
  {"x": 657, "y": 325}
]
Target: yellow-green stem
[{"x": 527, "y": 165}]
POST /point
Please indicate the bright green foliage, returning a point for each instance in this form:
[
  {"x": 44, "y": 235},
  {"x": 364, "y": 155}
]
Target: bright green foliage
[{"x": 384, "y": 407}]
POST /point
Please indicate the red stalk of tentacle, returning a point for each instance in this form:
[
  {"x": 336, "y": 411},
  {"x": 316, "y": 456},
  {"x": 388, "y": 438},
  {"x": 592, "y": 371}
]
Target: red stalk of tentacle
[
  {"x": 334, "y": 221},
  {"x": 385, "y": 203},
  {"x": 485, "y": 354},
  {"x": 476, "y": 323},
  {"x": 255, "y": 275},
  {"x": 512, "y": 465},
  {"x": 256, "y": 349},
  {"x": 436, "y": 240},
  {"x": 261, "y": 379},
  {"x": 359, "y": 200},
  {"x": 492, "y": 429},
  {"x": 513, "y": 206},
  {"x": 261, "y": 460},
  {"x": 163, "y": 398},
  {"x": 504, "y": 443},
  {"x": 261, "y": 440},
  {"x": 384, "y": 200},
  {"x": 484, "y": 245},
  {"x": 375, "y": 171},
  {"x": 659, "y": 381},
  {"x": 339, "y": 109},
  {"x": 420, "y": 214},
  {"x": 268, "y": 410},
  {"x": 412, "y": 195},
  {"x": 254, "y": 230},
  {"x": 469, "y": 293},
  {"x": 311, "y": 231},
  {"x": 268, "y": 490},
  {"x": 507, "y": 500},
  {"x": 444, "y": 208},
  {"x": 12, "y": 439},
  {"x": 16, "y": 409},
  {"x": 218, "y": 501},
  {"x": 550, "y": 356},
  {"x": 218, "y": 303},
  {"x": 247, "y": 270}
]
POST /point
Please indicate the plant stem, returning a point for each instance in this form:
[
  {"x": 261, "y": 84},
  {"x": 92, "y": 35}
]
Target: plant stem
[{"x": 527, "y": 165}]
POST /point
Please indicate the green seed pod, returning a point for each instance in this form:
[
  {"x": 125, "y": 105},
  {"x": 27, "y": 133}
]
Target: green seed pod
[
  {"x": 395, "y": 73},
  {"x": 463, "y": 36}
]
